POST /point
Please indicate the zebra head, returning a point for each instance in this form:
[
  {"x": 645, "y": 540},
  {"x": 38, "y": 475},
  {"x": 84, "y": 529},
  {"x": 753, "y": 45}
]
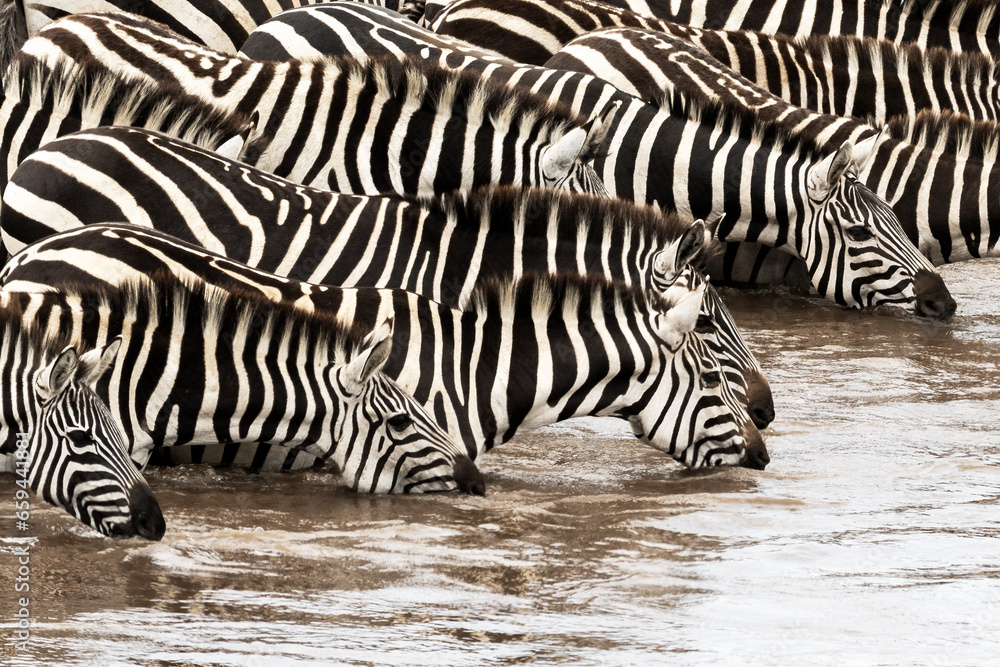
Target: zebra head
[
  {"x": 386, "y": 441},
  {"x": 77, "y": 455},
  {"x": 690, "y": 410},
  {"x": 854, "y": 246},
  {"x": 672, "y": 270},
  {"x": 568, "y": 163}
]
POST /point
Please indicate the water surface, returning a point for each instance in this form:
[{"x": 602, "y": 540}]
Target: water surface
[{"x": 871, "y": 539}]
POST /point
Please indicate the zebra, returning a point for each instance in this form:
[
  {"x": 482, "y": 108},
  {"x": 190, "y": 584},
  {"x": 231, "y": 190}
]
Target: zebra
[
  {"x": 63, "y": 441},
  {"x": 520, "y": 354},
  {"x": 869, "y": 79},
  {"x": 533, "y": 26},
  {"x": 220, "y": 24},
  {"x": 41, "y": 103},
  {"x": 437, "y": 247},
  {"x": 702, "y": 159},
  {"x": 922, "y": 169},
  {"x": 255, "y": 370},
  {"x": 360, "y": 126}
]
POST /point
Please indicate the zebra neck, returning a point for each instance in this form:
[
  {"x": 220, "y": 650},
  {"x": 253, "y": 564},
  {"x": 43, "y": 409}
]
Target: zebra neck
[{"x": 20, "y": 359}]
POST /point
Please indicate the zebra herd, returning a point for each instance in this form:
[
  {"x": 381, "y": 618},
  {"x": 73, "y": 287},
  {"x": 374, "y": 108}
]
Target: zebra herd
[{"x": 391, "y": 236}]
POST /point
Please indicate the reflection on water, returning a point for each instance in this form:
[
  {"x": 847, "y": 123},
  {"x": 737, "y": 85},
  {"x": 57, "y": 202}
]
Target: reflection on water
[{"x": 870, "y": 539}]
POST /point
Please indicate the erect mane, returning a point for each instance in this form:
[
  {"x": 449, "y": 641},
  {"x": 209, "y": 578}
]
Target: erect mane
[
  {"x": 501, "y": 205},
  {"x": 539, "y": 295},
  {"x": 842, "y": 48},
  {"x": 949, "y": 132},
  {"x": 230, "y": 311},
  {"x": 88, "y": 89},
  {"x": 501, "y": 104},
  {"x": 731, "y": 118}
]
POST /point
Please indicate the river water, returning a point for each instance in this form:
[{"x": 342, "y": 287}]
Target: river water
[{"x": 871, "y": 539}]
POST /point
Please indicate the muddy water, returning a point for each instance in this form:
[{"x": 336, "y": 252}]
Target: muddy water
[{"x": 871, "y": 539}]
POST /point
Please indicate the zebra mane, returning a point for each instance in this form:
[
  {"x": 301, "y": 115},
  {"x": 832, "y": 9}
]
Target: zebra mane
[
  {"x": 502, "y": 205},
  {"x": 948, "y": 132},
  {"x": 733, "y": 118},
  {"x": 539, "y": 295},
  {"x": 87, "y": 90},
  {"x": 839, "y": 49},
  {"x": 225, "y": 313}
]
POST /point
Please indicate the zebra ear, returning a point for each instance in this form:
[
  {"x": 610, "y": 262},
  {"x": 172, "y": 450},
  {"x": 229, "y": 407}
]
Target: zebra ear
[
  {"x": 55, "y": 377},
  {"x": 826, "y": 173},
  {"x": 682, "y": 318},
  {"x": 96, "y": 363},
  {"x": 864, "y": 150},
  {"x": 597, "y": 132},
  {"x": 671, "y": 260},
  {"x": 559, "y": 158},
  {"x": 233, "y": 148},
  {"x": 372, "y": 355}
]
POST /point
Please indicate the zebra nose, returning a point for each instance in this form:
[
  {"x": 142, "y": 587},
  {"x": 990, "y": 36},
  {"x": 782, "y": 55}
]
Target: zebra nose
[
  {"x": 760, "y": 403},
  {"x": 468, "y": 477},
  {"x": 933, "y": 298},
  {"x": 147, "y": 520},
  {"x": 756, "y": 456}
]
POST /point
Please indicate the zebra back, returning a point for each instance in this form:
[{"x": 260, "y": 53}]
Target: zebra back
[
  {"x": 388, "y": 125},
  {"x": 608, "y": 348}
]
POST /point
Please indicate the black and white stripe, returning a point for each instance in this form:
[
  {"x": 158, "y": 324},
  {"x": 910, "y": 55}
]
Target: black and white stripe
[
  {"x": 520, "y": 355},
  {"x": 254, "y": 370},
  {"x": 436, "y": 247},
  {"x": 525, "y": 30},
  {"x": 77, "y": 455},
  {"x": 783, "y": 177},
  {"x": 366, "y": 127}
]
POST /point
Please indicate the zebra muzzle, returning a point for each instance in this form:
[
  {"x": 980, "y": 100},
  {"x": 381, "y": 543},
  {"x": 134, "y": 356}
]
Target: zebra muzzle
[
  {"x": 756, "y": 455},
  {"x": 147, "y": 519},
  {"x": 468, "y": 477}
]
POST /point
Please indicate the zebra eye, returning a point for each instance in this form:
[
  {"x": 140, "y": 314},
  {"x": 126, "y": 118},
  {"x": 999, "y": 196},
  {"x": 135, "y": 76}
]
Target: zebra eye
[
  {"x": 400, "y": 422},
  {"x": 711, "y": 379},
  {"x": 859, "y": 233},
  {"x": 79, "y": 437},
  {"x": 704, "y": 325}
]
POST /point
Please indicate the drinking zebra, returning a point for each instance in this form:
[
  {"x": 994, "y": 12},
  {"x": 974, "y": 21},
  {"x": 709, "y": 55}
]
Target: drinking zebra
[
  {"x": 703, "y": 159},
  {"x": 928, "y": 168},
  {"x": 76, "y": 456},
  {"x": 437, "y": 247},
  {"x": 539, "y": 25},
  {"x": 360, "y": 126},
  {"x": 522, "y": 353},
  {"x": 254, "y": 370}
]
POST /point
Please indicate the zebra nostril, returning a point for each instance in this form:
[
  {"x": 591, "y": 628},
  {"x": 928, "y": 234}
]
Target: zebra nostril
[
  {"x": 468, "y": 477},
  {"x": 933, "y": 298},
  {"x": 756, "y": 453},
  {"x": 760, "y": 402},
  {"x": 147, "y": 519}
]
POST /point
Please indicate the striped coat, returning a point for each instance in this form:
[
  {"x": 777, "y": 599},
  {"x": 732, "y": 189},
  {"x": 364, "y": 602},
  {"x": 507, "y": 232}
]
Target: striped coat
[{"x": 520, "y": 355}]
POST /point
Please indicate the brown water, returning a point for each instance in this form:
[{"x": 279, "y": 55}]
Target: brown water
[{"x": 871, "y": 539}]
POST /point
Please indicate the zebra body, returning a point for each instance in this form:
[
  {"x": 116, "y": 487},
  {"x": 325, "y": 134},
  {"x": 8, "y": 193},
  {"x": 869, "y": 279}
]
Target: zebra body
[
  {"x": 847, "y": 76},
  {"x": 365, "y": 127},
  {"x": 938, "y": 183},
  {"x": 220, "y": 24},
  {"x": 42, "y": 103},
  {"x": 63, "y": 439},
  {"x": 439, "y": 248},
  {"x": 790, "y": 190},
  {"x": 530, "y": 27},
  {"x": 522, "y": 353}
]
